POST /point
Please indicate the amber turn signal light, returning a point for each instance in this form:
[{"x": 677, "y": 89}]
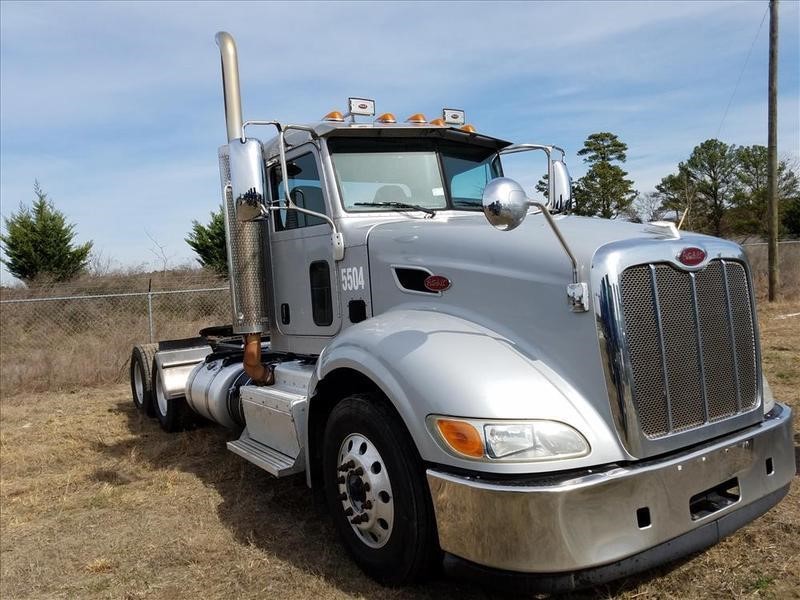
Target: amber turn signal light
[
  {"x": 438, "y": 122},
  {"x": 468, "y": 128},
  {"x": 461, "y": 437}
]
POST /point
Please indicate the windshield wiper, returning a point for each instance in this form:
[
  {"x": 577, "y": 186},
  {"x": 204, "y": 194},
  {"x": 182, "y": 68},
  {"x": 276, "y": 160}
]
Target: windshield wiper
[{"x": 401, "y": 206}]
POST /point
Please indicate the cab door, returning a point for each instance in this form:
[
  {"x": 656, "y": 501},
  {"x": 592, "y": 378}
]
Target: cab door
[{"x": 303, "y": 269}]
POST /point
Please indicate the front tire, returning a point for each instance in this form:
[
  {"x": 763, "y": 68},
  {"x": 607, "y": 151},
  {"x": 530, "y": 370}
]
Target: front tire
[
  {"x": 141, "y": 377},
  {"x": 376, "y": 491},
  {"x": 170, "y": 412}
]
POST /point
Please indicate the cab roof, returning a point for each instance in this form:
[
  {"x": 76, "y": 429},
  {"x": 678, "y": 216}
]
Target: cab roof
[{"x": 326, "y": 129}]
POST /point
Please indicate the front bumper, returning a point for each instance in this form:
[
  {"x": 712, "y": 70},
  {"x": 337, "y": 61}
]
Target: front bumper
[{"x": 574, "y": 522}]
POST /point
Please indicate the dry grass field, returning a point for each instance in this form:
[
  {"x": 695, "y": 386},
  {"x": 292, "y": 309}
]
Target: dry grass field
[{"x": 97, "y": 502}]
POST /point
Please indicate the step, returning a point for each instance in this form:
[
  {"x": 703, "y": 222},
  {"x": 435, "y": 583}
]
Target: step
[{"x": 273, "y": 462}]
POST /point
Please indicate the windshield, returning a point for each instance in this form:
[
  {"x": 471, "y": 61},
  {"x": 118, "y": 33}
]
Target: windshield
[{"x": 397, "y": 174}]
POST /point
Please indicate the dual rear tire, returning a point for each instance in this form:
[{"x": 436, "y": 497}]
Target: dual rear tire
[{"x": 147, "y": 389}]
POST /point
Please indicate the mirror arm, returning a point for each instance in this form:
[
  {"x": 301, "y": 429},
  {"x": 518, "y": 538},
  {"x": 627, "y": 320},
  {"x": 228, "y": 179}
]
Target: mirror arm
[
  {"x": 337, "y": 238},
  {"x": 577, "y": 291},
  {"x": 548, "y": 150}
]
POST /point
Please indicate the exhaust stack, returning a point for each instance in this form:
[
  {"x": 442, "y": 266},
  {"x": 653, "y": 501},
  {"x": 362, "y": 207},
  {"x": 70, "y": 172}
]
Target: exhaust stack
[
  {"x": 241, "y": 164},
  {"x": 230, "y": 84}
]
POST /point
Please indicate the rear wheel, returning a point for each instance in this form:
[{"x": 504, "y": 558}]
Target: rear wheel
[
  {"x": 141, "y": 379},
  {"x": 170, "y": 412},
  {"x": 376, "y": 491}
]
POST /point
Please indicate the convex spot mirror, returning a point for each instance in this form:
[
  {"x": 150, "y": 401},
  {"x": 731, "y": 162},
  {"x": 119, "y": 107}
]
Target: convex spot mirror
[
  {"x": 562, "y": 187},
  {"x": 504, "y": 203},
  {"x": 247, "y": 178}
]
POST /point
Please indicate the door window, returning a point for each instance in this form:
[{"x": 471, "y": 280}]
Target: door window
[{"x": 304, "y": 188}]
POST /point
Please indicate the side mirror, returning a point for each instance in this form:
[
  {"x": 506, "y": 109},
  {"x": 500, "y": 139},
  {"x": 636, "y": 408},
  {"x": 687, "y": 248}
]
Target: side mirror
[
  {"x": 504, "y": 203},
  {"x": 562, "y": 187},
  {"x": 247, "y": 178}
]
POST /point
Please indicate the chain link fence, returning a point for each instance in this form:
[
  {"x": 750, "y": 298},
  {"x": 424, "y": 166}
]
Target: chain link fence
[
  {"x": 68, "y": 336},
  {"x": 68, "y": 341}
]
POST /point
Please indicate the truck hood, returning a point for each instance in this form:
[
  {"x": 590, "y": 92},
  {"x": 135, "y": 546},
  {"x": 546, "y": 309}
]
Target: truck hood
[{"x": 513, "y": 283}]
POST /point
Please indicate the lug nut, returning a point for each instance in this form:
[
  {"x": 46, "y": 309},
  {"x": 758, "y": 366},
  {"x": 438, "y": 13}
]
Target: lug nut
[
  {"x": 348, "y": 511},
  {"x": 348, "y": 465},
  {"x": 367, "y": 505},
  {"x": 341, "y": 479},
  {"x": 359, "y": 471},
  {"x": 342, "y": 496},
  {"x": 366, "y": 487}
]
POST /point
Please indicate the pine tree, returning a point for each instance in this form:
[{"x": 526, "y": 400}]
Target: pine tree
[
  {"x": 38, "y": 243},
  {"x": 208, "y": 242},
  {"x": 603, "y": 191}
]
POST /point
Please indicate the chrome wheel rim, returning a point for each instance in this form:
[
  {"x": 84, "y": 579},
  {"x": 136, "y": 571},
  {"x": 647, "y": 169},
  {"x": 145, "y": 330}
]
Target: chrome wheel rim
[
  {"x": 161, "y": 399},
  {"x": 138, "y": 383},
  {"x": 365, "y": 490}
]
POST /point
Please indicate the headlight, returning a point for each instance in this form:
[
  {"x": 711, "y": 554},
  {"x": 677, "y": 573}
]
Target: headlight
[{"x": 509, "y": 441}]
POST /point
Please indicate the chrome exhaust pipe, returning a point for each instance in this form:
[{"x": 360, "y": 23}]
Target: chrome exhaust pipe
[{"x": 230, "y": 84}]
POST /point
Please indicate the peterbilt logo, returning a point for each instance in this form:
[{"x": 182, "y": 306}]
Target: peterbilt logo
[
  {"x": 692, "y": 257},
  {"x": 437, "y": 283}
]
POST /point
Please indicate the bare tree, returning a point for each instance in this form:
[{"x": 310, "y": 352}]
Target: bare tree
[{"x": 159, "y": 251}]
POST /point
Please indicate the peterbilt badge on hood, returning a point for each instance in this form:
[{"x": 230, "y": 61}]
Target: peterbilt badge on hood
[{"x": 691, "y": 257}]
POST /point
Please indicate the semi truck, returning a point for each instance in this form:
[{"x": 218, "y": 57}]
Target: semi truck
[{"x": 544, "y": 399}]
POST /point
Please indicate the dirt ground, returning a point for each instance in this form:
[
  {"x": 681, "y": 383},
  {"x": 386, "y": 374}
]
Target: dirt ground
[{"x": 97, "y": 502}]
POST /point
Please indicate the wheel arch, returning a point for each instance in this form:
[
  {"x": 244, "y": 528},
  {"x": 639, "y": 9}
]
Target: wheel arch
[{"x": 347, "y": 376}]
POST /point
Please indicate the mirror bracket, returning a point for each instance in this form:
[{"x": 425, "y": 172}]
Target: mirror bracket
[
  {"x": 577, "y": 291},
  {"x": 337, "y": 239}
]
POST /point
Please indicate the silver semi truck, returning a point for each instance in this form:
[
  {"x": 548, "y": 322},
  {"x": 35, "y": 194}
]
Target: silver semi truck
[{"x": 556, "y": 399}]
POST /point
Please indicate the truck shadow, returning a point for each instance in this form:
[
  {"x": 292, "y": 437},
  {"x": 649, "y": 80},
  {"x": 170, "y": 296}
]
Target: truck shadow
[{"x": 280, "y": 517}]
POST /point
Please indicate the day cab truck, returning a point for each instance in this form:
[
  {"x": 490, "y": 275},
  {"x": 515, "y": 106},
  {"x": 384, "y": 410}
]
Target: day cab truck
[{"x": 555, "y": 399}]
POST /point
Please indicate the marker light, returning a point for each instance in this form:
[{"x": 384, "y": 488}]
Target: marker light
[
  {"x": 461, "y": 437},
  {"x": 438, "y": 122},
  {"x": 417, "y": 118},
  {"x": 386, "y": 118},
  {"x": 468, "y": 128},
  {"x": 334, "y": 115}
]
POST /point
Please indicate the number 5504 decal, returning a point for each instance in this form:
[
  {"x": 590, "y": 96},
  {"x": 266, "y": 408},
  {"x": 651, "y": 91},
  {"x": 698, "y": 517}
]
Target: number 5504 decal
[{"x": 352, "y": 278}]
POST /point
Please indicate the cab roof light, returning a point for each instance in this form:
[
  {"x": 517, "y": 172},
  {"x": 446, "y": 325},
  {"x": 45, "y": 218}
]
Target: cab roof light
[
  {"x": 438, "y": 122},
  {"x": 361, "y": 106},
  {"x": 468, "y": 128},
  {"x": 334, "y": 115},
  {"x": 386, "y": 118},
  {"x": 454, "y": 116},
  {"x": 417, "y": 118}
]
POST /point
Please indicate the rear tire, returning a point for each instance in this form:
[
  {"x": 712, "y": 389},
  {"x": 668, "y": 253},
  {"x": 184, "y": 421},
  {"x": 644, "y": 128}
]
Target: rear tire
[
  {"x": 170, "y": 412},
  {"x": 141, "y": 377},
  {"x": 376, "y": 491}
]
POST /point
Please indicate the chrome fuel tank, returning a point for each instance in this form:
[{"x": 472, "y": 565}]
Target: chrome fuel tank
[{"x": 212, "y": 391}]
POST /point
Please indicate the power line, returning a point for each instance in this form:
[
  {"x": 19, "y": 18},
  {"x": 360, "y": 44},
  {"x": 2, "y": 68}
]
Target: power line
[{"x": 738, "y": 81}]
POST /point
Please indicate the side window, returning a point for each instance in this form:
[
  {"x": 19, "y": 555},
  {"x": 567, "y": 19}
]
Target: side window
[
  {"x": 306, "y": 192},
  {"x": 319, "y": 273}
]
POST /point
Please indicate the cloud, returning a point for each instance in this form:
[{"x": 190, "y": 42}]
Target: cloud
[{"x": 116, "y": 107}]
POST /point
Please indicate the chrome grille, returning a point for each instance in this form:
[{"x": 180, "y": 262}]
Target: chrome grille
[{"x": 691, "y": 345}]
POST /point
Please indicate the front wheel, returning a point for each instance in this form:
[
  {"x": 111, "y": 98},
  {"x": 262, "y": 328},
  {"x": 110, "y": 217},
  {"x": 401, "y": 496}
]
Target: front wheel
[{"x": 376, "y": 491}]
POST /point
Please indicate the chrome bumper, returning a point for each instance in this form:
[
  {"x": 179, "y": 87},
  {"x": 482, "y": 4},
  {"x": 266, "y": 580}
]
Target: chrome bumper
[{"x": 558, "y": 523}]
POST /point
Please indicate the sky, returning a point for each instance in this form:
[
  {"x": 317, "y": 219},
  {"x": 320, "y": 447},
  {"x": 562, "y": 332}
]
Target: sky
[{"x": 116, "y": 108}]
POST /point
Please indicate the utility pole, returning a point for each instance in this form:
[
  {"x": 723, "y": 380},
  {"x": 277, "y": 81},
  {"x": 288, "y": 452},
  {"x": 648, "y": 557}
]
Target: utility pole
[{"x": 772, "y": 151}]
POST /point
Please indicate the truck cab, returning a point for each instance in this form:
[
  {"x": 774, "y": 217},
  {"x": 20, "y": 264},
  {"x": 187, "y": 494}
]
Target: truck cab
[{"x": 562, "y": 399}]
